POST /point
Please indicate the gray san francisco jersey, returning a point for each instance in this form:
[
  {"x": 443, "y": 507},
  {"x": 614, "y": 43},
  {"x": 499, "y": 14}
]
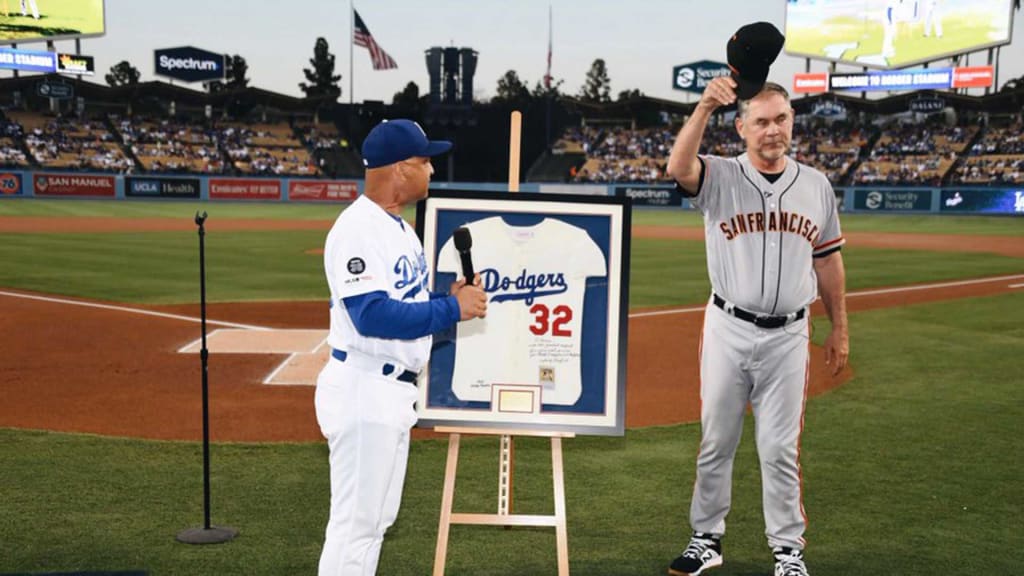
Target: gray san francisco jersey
[{"x": 761, "y": 236}]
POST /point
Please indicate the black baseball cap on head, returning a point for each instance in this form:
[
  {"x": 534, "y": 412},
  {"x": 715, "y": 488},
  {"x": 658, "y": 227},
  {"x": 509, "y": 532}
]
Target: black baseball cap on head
[{"x": 750, "y": 52}]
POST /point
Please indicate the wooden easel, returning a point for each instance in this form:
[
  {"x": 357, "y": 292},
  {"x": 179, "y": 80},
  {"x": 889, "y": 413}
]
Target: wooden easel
[{"x": 504, "y": 517}]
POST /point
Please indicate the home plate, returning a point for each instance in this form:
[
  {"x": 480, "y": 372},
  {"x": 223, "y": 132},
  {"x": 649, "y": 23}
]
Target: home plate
[
  {"x": 239, "y": 341},
  {"x": 300, "y": 369}
]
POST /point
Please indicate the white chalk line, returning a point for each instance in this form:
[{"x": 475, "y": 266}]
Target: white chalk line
[
  {"x": 687, "y": 310},
  {"x": 129, "y": 310}
]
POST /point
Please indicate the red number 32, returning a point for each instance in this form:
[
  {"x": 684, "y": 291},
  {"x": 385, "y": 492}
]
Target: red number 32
[{"x": 562, "y": 315}]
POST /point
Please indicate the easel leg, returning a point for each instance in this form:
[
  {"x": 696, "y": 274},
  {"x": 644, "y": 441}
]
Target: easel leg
[
  {"x": 447, "y": 498},
  {"x": 561, "y": 531}
]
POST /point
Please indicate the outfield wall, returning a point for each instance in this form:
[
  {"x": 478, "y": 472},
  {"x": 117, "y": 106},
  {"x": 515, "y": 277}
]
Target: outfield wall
[{"x": 865, "y": 199}]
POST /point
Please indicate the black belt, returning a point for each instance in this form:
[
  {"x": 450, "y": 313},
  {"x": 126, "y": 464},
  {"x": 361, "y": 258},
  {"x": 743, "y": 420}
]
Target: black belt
[
  {"x": 761, "y": 320},
  {"x": 387, "y": 369}
]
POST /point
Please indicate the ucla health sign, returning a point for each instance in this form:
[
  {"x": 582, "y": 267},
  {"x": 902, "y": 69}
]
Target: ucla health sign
[
  {"x": 27, "y": 60},
  {"x": 188, "y": 64}
]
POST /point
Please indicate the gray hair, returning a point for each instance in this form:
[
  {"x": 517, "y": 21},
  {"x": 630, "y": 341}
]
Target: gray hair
[{"x": 769, "y": 87}]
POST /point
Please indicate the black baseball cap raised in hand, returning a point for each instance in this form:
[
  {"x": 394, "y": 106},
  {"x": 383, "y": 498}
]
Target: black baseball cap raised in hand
[{"x": 750, "y": 52}]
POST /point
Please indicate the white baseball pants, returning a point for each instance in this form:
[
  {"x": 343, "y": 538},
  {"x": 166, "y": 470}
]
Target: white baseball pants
[
  {"x": 366, "y": 419},
  {"x": 768, "y": 368}
]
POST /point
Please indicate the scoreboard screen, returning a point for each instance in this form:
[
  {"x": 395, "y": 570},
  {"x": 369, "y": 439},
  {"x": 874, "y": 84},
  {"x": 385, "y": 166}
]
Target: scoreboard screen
[
  {"x": 38, "y": 20},
  {"x": 894, "y": 33}
]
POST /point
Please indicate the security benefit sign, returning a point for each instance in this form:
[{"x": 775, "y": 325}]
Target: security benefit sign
[
  {"x": 894, "y": 200},
  {"x": 550, "y": 354},
  {"x": 695, "y": 76},
  {"x": 188, "y": 64}
]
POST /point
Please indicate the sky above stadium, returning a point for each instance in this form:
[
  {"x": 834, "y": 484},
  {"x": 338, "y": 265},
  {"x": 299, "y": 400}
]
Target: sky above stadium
[{"x": 640, "y": 40}]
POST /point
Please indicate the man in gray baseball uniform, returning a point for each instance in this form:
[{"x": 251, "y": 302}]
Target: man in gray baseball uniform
[{"x": 773, "y": 240}]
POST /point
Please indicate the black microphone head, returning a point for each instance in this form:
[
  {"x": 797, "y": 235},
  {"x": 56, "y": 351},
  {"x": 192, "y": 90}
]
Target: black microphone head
[{"x": 463, "y": 239}]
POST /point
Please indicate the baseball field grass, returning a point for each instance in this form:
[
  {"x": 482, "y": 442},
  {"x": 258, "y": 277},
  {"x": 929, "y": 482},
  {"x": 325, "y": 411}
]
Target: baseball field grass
[
  {"x": 161, "y": 267},
  {"x": 911, "y": 468}
]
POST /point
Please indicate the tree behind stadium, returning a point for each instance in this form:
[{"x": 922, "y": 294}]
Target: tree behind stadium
[
  {"x": 123, "y": 74},
  {"x": 597, "y": 87},
  {"x": 323, "y": 80}
]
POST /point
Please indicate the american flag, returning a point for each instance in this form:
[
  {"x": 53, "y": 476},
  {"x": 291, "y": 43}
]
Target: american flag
[{"x": 361, "y": 37}]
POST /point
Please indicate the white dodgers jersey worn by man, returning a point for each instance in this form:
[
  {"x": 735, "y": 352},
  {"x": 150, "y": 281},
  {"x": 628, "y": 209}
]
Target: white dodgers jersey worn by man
[
  {"x": 761, "y": 235},
  {"x": 535, "y": 280},
  {"x": 368, "y": 250}
]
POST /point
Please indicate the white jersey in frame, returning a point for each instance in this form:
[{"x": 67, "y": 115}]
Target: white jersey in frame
[{"x": 535, "y": 278}]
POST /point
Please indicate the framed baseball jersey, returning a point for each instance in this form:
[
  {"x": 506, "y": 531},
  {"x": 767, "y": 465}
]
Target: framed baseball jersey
[{"x": 550, "y": 353}]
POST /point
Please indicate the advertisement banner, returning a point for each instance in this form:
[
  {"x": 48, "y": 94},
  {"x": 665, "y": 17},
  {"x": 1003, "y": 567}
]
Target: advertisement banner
[
  {"x": 810, "y": 83},
  {"x": 695, "y": 76},
  {"x": 923, "y": 79},
  {"x": 245, "y": 189},
  {"x": 927, "y": 105},
  {"x": 651, "y": 195},
  {"x": 74, "y": 185},
  {"x": 10, "y": 184},
  {"x": 973, "y": 76},
  {"x": 76, "y": 64},
  {"x": 189, "y": 64},
  {"x": 27, "y": 60},
  {"x": 337, "y": 190},
  {"x": 55, "y": 89},
  {"x": 161, "y": 187},
  {"x": 893, "y": 200},
  {"x": 988, "y": 201}
]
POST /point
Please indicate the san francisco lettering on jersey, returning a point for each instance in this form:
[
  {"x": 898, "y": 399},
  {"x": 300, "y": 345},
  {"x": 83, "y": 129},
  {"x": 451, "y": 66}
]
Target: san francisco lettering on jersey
[
  {"x": 526, "y": 286},
  {"x": 781, "y": 221}
]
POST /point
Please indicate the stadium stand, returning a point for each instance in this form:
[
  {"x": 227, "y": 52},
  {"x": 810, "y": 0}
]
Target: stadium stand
[
  {"x": 66, "y": 143},
  {"x": 997, "y": 158},
  {"x": 155, "y": 127},
  {"x": 171, "y": 146},
  {"x": 911, "y": 153},
  {"x": 331, "y": 151},
  {"x": 12, "y": 153}
]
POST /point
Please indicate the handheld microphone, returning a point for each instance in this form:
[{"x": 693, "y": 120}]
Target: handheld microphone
[{"x": 463, "y": 242}]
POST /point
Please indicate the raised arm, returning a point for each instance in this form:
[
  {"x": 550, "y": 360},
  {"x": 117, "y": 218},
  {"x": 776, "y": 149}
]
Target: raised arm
[{"x": 683, "y": 164}]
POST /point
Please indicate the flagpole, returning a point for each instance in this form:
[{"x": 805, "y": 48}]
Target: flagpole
[{"x": 351, "y": 44}]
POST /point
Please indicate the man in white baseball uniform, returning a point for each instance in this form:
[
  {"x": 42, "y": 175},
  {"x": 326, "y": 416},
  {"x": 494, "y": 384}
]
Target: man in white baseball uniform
[
  {"x": 382, "y": 319},
  {"x": 773, "y": 240},
  {"x": 32, "y": 4},
  {"x": 533, "y": 332},
  {"x": 932, "y": 18}
]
